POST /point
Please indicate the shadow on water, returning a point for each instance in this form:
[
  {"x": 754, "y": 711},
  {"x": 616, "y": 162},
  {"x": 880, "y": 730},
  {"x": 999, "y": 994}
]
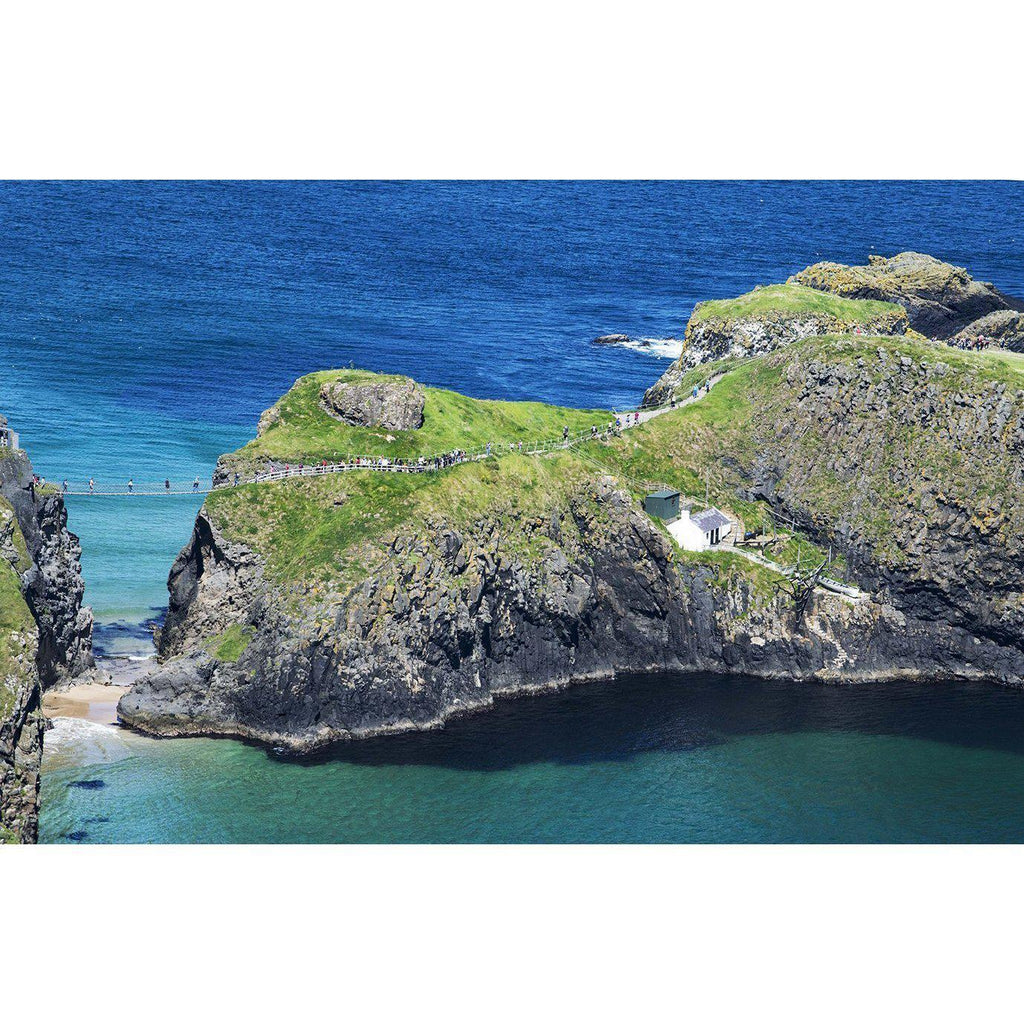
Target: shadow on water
[
  {"x": 109, "y": 637},
  {"x": 618, "y": 719}
]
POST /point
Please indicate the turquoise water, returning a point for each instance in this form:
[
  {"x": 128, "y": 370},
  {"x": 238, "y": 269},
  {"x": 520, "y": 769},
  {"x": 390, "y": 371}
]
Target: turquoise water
[{"x": 697, "y": 759}]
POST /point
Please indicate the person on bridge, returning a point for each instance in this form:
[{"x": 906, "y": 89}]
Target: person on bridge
[
  {"x": 195, "y": 486},
  {"x": 92, "y": 484},
  {"x": 167, "y": 485},
  {"x": 131, "y": 485},
  {"x": 64, "y": 487}
]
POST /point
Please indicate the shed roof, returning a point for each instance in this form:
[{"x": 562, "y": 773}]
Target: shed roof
[
  {"x": 663, "y": 494},
  {"x": 711, "y": 519}
]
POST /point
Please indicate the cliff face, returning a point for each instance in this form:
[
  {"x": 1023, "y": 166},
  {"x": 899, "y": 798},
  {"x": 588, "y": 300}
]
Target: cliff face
[
  {"x": 522, "y": 574},
  {"x": 53, "y": 585},
  {"x": 763, "y": 321},
  {"x": 940, "y": 299},
  {"x": 21, "y": 721},
  {"x": 920, "y": 482},
  {"x": 453, "y": 619},
  {"x": 45, "y": 633}
]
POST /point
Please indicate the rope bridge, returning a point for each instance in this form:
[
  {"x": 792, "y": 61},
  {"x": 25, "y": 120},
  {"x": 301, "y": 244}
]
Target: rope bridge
[{"x": 383, "y": 464}]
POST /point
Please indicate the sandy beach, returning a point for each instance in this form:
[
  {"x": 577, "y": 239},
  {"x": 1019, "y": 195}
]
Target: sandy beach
[{"x": 92, "y": 701}]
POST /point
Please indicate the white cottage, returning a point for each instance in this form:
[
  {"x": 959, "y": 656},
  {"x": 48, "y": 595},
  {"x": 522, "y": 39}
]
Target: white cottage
[{"x": 700, "y": 531}]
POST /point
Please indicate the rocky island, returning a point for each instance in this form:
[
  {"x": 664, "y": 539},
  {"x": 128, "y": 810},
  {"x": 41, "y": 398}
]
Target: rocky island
[
  {"x": 317, "y": 609},
  {"x": 45, "y": 632}
]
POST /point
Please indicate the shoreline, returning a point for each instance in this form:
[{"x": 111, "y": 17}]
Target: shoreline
[
  {"x": 92, "y": 699},
  {"x": 95, "y": 702}
]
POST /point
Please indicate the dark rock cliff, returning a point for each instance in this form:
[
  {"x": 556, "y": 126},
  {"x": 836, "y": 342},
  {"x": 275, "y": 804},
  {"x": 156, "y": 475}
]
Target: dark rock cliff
[
  {"x": 45, "y": 633},
  {"x": 949, "y": 443},
  {"x": 452, "y": 619},
  {"x": 53, "y": 586},
  {"x": 712, "y": 338}
]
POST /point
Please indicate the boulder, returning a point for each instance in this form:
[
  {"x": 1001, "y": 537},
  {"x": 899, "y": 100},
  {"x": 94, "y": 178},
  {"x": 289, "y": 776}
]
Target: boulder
[{"x": 395, "y": 404}]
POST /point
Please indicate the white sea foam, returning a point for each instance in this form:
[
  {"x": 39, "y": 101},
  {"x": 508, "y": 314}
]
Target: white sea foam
[
  {"x": 77, "y": 741},
  {"x": 659, "y": 348}
]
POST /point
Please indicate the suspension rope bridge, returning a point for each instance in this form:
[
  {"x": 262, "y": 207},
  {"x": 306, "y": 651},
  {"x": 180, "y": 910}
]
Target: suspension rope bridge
[{"x": 384, "y": 464}]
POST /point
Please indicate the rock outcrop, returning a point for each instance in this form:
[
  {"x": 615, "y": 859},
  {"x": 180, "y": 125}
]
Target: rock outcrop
[
  {"x": 390, "y": 404},
  {"x": 916, "y": 473},
  {"x": 45, "y": 632},
  {"x": 21, "y": 720},
  {"x": 727, "y": 330},
  {"x": 940, "y": 299},
  {"x": 1004, "y": 328},
  {"x": 53, "y": 584}
]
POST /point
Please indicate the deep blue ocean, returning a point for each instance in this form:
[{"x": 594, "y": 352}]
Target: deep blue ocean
[{"x": 145, "y": 326}]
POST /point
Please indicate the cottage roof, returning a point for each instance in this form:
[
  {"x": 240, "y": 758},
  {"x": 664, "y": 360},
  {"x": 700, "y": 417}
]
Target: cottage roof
[
  {"x": 664, "y": 494},
  {"x": 711, "y": 519}
]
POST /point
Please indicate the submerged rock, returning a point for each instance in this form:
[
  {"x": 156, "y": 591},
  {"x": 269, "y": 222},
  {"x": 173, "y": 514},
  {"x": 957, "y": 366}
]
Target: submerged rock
[{"x": 616, "y": 339}]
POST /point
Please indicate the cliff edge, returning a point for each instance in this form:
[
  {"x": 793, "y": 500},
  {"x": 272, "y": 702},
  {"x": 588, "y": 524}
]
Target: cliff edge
[
  {"x": 313, "y": 610},
  {"x": 45, "y": 632}
]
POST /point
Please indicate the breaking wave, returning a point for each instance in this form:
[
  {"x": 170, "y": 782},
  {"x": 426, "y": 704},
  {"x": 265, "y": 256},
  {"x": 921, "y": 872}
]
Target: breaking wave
[
  {"x": 658, "y": 348},
  {"x": 76, "y": 742}
]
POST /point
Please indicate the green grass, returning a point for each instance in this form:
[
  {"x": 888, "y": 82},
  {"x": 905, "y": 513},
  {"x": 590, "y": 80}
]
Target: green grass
[
  {"x": 15, "y": 617},
  {"x": 328, "y": 529},
  {"x": 794, "y": 299},
  {"x": 230, "y": 645},
  {"x": 17, "y": 537},
  {"x": 303, "y": 431},
  {"x": 335, "y": 530}
]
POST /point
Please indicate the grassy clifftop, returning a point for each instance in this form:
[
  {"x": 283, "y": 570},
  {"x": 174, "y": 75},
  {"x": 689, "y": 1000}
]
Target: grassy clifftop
[
  {"x": 864, "y": 431},
  {"x": 327, "y": 529},
  {"x": 878, "y": 433},
  {"x": 794, "y": 300},
  {"x": 299, "y": 429}
]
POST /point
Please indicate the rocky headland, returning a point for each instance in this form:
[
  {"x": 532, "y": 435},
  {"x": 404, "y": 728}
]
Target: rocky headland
[
  {"x": 310, "y": 611},
  {"x": 940, "y": 299},
  {"x": 766, "y": 319},
  {"x": 45, "y": 632},
  {"x": 908, "y": 292}
]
